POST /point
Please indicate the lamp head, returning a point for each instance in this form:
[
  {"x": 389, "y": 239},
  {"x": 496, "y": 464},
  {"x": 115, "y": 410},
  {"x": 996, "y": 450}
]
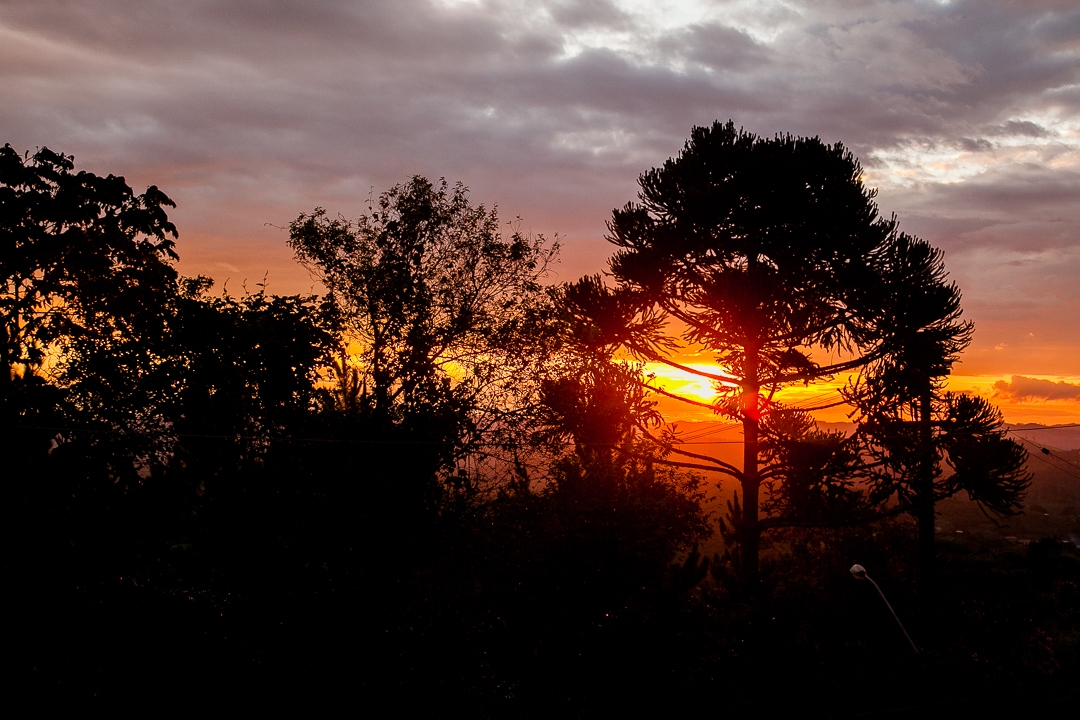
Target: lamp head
[{"x": 859, "y": 572}]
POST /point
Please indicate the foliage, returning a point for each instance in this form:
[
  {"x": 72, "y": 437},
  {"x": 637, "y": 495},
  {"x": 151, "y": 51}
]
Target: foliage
[
  {"x": 989, "y": 466},
  {"x": 246, "y": 370},
  {"x": 447, "y": 313},
  {"x": 599, "y": 406},
  {"x": 969, "y": 438},
  {"x": 763, "y": 250},
  {"x": 588, "y": 399},
  {"x": 86, "y": 283},
  {"x": 813, "y": 478},
  {"x": 84, "y": 258},
  {"x": 210, "y": 496},
  {"x": 908, "y": 425},
  {"x": 915, "y": 313},
  {"x": 758, "y": 245},
  {"x": 547, "y": 599}
]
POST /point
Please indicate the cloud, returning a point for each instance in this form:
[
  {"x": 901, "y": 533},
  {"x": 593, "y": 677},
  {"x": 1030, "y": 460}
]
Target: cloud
[
  {"x": 1023, "y": 128},
  {"x": 252, "y": 111},
  {"x": 1021, "y": 389},
  {"x": 972, "y": 145}
]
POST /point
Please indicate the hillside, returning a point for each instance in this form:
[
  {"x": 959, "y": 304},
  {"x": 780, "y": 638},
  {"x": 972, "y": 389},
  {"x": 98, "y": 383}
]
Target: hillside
[{"x": 1051, "y": 508}]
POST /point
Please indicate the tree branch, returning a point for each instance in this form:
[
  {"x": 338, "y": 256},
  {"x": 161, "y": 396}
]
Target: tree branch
[
  {"x": 677, "y": 397},
  {"x": 720, "y": 464},
  {"x": 701, "y": 373},
  {"x": 677, "y": 463},
  {"x": 823, "y": 370}
]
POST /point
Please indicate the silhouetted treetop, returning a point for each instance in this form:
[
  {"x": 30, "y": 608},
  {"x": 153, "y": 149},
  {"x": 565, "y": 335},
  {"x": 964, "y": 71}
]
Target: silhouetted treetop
[
  {"x": 915, "y": 314},
  {"x": 764, "y": 251},
  {"x": 769, "y": 239},
  {"x": 908, "y": 424},
  {"x": 446, "y": 312},
  {"x": 81, "y": 255}
]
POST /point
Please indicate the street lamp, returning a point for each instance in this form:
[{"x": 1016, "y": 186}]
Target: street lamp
[{"x": 860, "y": 574}]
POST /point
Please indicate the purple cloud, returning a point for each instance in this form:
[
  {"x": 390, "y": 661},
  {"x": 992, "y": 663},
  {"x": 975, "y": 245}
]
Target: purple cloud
[
  {"x": 1021, "y": 389},
  {"x": 249, "y": 112}
]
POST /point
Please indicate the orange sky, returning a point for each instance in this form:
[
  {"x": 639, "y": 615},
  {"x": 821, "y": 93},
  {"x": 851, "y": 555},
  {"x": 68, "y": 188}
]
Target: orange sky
[
  {"x": 1046, "y": 412},
  {"x": 248, "y": 114}
]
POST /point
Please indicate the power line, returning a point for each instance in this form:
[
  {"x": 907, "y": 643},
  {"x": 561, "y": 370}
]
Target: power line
[
  {"x": 705, "y": 432},
  {"x": 1042, "y": 427},
  {"x": 359, "y": 441},
  {"x": 814, "y": 399},
  {"x": 692, "y": 439},
  {"x": 1047, "y": 452}
]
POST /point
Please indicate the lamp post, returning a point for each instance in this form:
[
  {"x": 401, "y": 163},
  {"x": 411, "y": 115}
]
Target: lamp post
[{"x": 860, "y": 574}]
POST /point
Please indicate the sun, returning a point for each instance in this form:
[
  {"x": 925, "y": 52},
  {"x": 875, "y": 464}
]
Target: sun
[
  {"x": 682, "y": 382},
  {"x": 702, "y": 390}
]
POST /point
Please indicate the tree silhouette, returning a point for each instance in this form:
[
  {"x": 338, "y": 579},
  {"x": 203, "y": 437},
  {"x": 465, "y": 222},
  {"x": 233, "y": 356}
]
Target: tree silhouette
[
  {"x": 245, "y": 376},
  {"x": 597, "y": 403},
  {"x": 763, "y": 251},
  {"x": 207, "y": 486},
  {"x": 83, "y": 256},
  {"x": 86, "y": 283},
  {"x": 446, "y": 315},
  {"x": 813, "y": 478},
  {"x": 909, "y": 424}
]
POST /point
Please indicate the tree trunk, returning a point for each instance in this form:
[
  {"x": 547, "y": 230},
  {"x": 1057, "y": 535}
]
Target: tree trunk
[
  {"x": 750, "y": 530},
  {"x": 925, "y": 493}
]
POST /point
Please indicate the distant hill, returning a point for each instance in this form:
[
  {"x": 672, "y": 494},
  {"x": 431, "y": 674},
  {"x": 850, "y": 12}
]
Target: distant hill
[
  {"x": 1057, "y": 478},
  {"x": 1052, "y": 436},
  {"x": 845, "y": 427},
  {"x": 1051, "y": 505}
]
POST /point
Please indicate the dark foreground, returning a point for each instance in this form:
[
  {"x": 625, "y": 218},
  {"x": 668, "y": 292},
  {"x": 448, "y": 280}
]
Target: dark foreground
[{"x": 518, "y": 620}]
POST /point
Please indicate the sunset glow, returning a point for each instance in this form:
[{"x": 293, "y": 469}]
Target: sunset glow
[
  {"x": 323, "y": 377},
  {"x": 555, "y": 114},
  {"x": 1044, "y": 411}
]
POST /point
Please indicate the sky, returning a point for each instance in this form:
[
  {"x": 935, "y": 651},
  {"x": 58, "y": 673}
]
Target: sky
[{"x": 250, "y": 112}]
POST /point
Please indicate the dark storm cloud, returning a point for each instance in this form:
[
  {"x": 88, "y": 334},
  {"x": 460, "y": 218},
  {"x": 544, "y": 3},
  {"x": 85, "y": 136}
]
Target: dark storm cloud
[
  {"x": 251, "y": 111},
  {"x": 1024, "y": 128},
  {"x": 716, "y": 47},
  {"x": 589, "y": 13},
  {"x": 1021, "y": 388}
]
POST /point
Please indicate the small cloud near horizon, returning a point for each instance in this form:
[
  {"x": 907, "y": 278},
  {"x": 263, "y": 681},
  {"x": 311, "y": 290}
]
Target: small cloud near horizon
[{"x": 1021, "y": 388}]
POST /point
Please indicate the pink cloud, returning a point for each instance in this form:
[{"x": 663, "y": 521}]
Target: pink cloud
[{"x": 1021, "y": 389}]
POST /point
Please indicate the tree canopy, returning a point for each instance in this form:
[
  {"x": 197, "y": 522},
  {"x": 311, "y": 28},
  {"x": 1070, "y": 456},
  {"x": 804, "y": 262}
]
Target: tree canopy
[
  {"x": 763, "y": 251},
  {"x": 446, "y": 314},
  {"x": 83, "y": 257},
  {"x": 908, "y": 423},
  {"x": 447, "y": 477}
]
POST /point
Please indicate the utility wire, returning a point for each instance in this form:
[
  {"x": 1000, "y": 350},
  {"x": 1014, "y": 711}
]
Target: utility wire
[
  {"x": 285, "y": 438},
  {"x": 1044, "y": 451},
  {"x": 1013, "y": 429},
  {"x": 692, "y": 439},
  {"x": 706, "y": 432}
]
